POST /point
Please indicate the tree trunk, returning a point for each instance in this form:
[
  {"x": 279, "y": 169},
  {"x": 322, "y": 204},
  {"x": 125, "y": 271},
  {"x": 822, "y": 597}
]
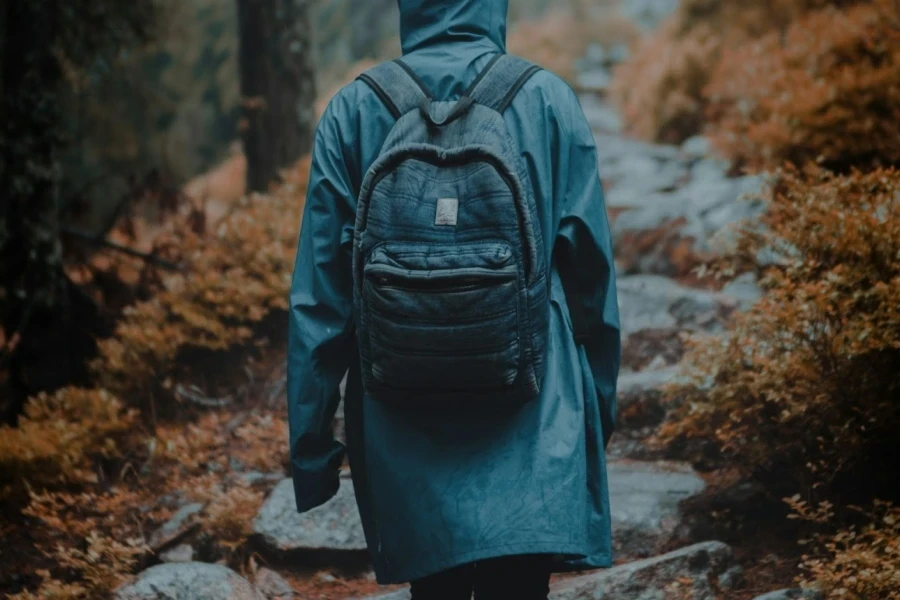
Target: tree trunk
[{"x": 277, "y": 85}]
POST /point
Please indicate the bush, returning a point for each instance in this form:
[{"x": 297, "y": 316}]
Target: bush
[
  {"x": 806, "y": 387},
  {"x": 232, "y": 277},
  {"x": 828, "y": 90},
  {"x": 661, "y": 90},
  {"x": 857, "y": 562},
  {"x": 60, "y": 434}
]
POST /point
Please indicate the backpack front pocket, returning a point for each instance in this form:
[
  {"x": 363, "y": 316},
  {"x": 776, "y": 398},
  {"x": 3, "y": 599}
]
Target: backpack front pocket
[{"x": 442, "y": 319}]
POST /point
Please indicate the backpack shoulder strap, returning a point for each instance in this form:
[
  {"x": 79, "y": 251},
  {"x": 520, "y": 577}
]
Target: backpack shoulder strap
[
  {"x": 497, "y": 85},
  {"x": 397, "y": 85}
]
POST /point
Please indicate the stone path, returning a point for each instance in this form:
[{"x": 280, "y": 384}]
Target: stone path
[{"x": 663, "y": 198}]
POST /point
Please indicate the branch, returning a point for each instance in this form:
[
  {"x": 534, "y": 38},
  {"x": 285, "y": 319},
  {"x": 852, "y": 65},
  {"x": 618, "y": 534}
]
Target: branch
[{"x": 87, "y": 236}]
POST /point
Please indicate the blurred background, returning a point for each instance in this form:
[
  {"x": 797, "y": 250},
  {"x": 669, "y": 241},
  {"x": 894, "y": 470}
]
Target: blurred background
[{"x": 153, "y": 162}]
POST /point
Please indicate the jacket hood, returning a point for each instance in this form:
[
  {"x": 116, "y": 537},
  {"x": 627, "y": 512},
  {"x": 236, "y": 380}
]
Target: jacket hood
[{"x": 425, "y": 23}]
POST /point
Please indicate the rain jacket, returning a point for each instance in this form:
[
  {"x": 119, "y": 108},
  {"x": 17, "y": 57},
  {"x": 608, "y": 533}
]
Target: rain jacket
[{"x": 438, "y": 490}]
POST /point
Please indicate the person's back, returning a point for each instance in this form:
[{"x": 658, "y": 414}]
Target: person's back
[{"x": 445, "y": 493}]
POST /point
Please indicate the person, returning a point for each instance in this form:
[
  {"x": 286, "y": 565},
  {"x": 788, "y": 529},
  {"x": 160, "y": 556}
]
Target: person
[{"x": 461, "y": 500}]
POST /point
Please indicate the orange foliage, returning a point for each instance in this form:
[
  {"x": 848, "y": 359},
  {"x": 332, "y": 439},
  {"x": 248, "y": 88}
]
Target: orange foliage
[
  {"x": 827, "y": 90},
  {"x": 855, "y": 563},
  {"x": 661, "y": 90},
  {"x": 60, "y": 434},
  {"x": 231, "y": 278},
  {"x": 806, "y": 385}
]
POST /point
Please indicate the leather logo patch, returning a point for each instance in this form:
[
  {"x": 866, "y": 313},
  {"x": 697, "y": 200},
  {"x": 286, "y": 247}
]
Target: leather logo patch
[{"x": 447, "y": 211}]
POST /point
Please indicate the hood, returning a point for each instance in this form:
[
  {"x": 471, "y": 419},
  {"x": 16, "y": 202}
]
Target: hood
[{"x": 425, "y": 23}]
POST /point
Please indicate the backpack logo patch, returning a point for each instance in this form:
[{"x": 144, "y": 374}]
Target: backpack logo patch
[{"x": 447, "y": 211}]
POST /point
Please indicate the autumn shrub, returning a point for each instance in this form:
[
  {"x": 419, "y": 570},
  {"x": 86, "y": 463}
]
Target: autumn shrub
[
  {"x": 826, "y": 90},
  {"x": 59, "y": 436},
  {"x": 96, "y": 542},
  {"x": 858, "y": 562},
  {"x": 661, "y": 90},
  {"x": 804, "y": 390},
  {"x": 233, "y": 274}
]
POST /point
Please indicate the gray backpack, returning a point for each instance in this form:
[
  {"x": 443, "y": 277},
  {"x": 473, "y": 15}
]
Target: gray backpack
[{"x": 451, "y": 289}]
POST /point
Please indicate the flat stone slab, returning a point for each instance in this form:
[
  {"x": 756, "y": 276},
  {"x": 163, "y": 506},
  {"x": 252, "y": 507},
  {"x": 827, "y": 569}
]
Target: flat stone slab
[
  {"x": 189, "y": 581},
  {"x": 684, "y": 573},
  {"x": 658, "y": 302},
  {"x": 791, "y": 594},
  {"x": 333, "y": 526},
  {"x": 644, "y": 502}
]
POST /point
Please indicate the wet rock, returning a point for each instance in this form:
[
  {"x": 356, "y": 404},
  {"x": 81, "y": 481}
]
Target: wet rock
[
  {"x": 640, "y": 398},
  {"x": 593, "y": 81},
  {"x": 657, "y": 302},
  {"x": 617, "y": 53},
  {"x": 791, "y": 594},
  {"x": 730, "y": 578},
  {"x": 744, "y": 289},
  {"x": 600, "y": 116},
  {"x": 648, "y": 14},
  {"x": 272, "y": 585},
  {"x": 697, "y": 146},
  {"x": 189, "y": 581},
  {"x": 684, "y": 573},
  {"x": 334, "y": 526},
  {"x": 177, "y": 527},
  {"x": 688, "y": 569},
  {"x": 644, "y": 504},
  {"x": 183, "y": 553}
]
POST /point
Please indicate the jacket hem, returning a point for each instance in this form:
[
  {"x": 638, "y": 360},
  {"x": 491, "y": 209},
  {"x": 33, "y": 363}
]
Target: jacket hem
[{"x": 568, "y": 552}]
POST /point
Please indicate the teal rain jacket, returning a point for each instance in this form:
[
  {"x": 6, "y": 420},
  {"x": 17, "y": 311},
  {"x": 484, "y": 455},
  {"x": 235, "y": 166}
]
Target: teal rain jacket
[{"x": 439, "y": 490}]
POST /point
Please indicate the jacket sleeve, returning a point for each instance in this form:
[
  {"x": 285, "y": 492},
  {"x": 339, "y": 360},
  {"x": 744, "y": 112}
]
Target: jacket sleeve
[
  {"x": 320, "y": 338},
  {"x": 583, "y": 235}
]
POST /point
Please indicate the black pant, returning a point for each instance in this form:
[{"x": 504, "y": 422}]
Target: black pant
[{"x": 525, "y": 577}]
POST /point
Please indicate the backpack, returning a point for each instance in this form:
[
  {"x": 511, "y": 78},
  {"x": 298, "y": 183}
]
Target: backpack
[{"x": 450, "y": 285}]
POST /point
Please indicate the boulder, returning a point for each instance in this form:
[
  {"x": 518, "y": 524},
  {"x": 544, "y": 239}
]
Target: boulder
[
  {"x": 189, "y": 581},
  {"x": 272, "y": 585},
  {"x": 183, "y": 553},
  {"x": 334, "y": 526},
  {"x": 684, "y": 573},
  {"x": 175, "y": 528},
  {"x": 644, "y": 500},
  {"x": 657, "y": 302},
  {"x": 791, "y": 594}
]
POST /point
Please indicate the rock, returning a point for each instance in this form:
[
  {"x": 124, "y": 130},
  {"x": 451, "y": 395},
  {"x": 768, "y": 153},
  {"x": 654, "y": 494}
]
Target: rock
[
  {"x": 176, "y": 527},
  {"x": 617, "y": 53},
  {"x": 730, "y": 578},
  {"x": 744, "y": 289},
  {"x": 333, "y": 526},
  {"x": 697, "y": 146},
  {"x": 791, "y": 594},
  {"x": 709, "y": 168},
  {"x": 657, "y": 302},
  {"x": 272, "y": 585},
  {"x": 260, "y": 477},
  {"x": 640, "y": 398},
  {"x": 688, "y": 569},
  {"x": 596, "y": 54},
  {"x": 594, "y": 81},
  {"x": 183, "y": 553},
  {"x": 189, "y": 581},
  {"x": 648, "y": 14},
  {"x": 600, "y": 115},
  {"x": 684, "y": 573},
  {"x": 644, "y": 502}
]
